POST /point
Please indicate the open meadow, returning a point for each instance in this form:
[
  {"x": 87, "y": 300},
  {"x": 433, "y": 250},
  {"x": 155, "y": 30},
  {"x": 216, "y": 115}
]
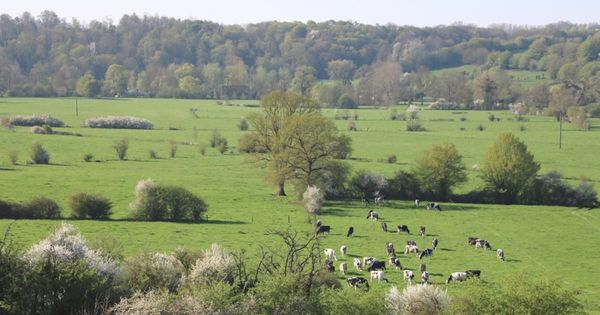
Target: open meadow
[{"x": 554, "y": 242}]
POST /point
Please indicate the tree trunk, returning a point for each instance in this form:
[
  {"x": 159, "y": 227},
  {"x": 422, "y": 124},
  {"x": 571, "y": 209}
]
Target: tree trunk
[{"x": 281, "y": 189}]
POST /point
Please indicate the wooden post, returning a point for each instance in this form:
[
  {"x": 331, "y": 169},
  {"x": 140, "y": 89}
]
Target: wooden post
[
  {"x": 560, "y": 130},
  {"x": 76, "y": 107}
]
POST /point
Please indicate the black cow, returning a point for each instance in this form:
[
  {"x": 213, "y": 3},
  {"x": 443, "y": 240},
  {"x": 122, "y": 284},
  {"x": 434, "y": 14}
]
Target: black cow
[
  {"x": 422, "y": 231},
  {"x": 435, "y": 243},
  {"x": 403, "y": 228},
  {"x": 427, "y": 252},
  {"x": 384, "y": 226},
  {"x": 356, "y": 282},
  {"x": 473, "y": 273},
  {"x": 329, "y": 265},
  {"x": 377, "y": 265},
  {"x": 350, "y": 231},
  {"x": 323, "y": 228}
]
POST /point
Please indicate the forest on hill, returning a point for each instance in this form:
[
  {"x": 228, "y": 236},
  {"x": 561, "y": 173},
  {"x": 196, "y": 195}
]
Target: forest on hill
[{"x": 154, "y": 56}]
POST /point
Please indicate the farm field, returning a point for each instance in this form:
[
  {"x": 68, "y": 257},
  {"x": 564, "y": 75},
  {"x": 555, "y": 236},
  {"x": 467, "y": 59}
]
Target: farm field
[{"x": 541, "y": 241}]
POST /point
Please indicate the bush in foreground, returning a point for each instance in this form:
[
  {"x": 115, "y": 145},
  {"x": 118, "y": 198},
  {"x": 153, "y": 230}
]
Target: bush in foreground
[
  {"x": 90, "y": 206},
  {"x": 119, "y": 122},
  {"x": 36, "y": 120},
  {"x": 152, "y": 271},
  {"x": 417, "y": 300},
  {"x": 214, "y": 265}
]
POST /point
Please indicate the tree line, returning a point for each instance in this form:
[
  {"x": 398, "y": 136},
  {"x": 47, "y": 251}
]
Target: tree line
[{"x": 166, "y": 57}]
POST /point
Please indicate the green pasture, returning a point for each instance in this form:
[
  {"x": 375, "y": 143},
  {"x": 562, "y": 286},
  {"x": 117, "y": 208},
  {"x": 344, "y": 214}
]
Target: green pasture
[{"x": 553, "y": 242}]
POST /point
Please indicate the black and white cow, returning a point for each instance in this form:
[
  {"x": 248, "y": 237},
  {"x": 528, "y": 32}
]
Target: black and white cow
[
  {"x": 343, "y": 250},
  {"x": 350, "y": 231},
  {"x": 396, "y": 263},
  {"x": 323, "y": 229},
  {"x": 500, "y": 254},
  {"x": 457, "y": 276},
  {"x": 411, "y": 242},
  {"x": 368, "y": 260},
  {"x": 483, "y": 244},
  {"x": 378, "y": 275},
  {"x": 357, "y": 264},
  {"x": 377, "y": 265},
  {"x": 428, "y": 252},
  {"x": 403, "y": 228},
  {"x": 417, "y": 202},
  {"x": 389, "y": 247},
  {"x": 422, "y": 231},
  {"x": 372, "y": 215},
  {"x": 357, "y": 282},
  {"x": 473, "y": 273},
  {"x": 384, "y": 226},
  {"x": 433, "y": 206},
  {"x": 409, "y": 276},
  {"x": 435, "y": 243},
  {"x": 425, "y": 277},
  {"x": 472, "y": 240},
  {"x": 329, "y": 265},
  {"x": 422, "y": 268}
]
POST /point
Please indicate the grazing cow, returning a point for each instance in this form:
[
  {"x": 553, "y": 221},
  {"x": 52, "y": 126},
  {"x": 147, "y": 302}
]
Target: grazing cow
[
  {"x": 350, "y": 231},
  {"x": 500, "y": 254},
  {"x": 483, "y": 244},
  {"x": 422, "y": 231},
  {"x": 357, "y": 264},
  {"x": 384, "y": 226},
  {"x": 330, "y": 254},
  {"x": 344, "y": 268},
  {"x": 473, "y": 273},
  {"x": 427, "y": 252},
  {"x": 378, "y": 275},
  {"x": 422, "y": 268},
  {"x": 356, "y": 282},
  {"x": 368, "y": 260},
  {"x": 417, "y": 203},
  {"x": 433, "y": 205},
  {"x": 323, "y": 228},
  {"x": 372, "y": 215},
  {"x": 411, "y": 249},
  {"x": 408, "y": 276},
  {"x": 434, "y": 243},
  {"x": 411, "y": 242},
  {"x": 396, "y": 263},
  {"x": 377, "y": 265},
  {"x": 329, "y": 265},
  {"x": 472, "y": 240},
  {"x": 403, "y": 228},
  {"x": 389, "y": 247},
  {"x": 457, "y": 276},
  {"x": 425, "y": 277},
  {"x": 343, "y": 250},
  {"x": 379, "y": 200}
]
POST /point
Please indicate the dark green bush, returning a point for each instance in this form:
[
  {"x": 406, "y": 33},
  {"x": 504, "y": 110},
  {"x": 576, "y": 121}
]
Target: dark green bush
[
  {"x": 169, "y": 203},
  {"x": 39, "y": 154},
  {"x": 90, "y": 206},
  {"x": 216, "y": 139},
  {"x": 249, "y": 143},
  {"x": 404, "y": 185},
  {"x": 40, "y": 208},
  {"x": 121, "y": 148}
]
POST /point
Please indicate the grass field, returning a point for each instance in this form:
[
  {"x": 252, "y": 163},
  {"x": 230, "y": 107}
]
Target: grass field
[{"x": 542, "y": 241}]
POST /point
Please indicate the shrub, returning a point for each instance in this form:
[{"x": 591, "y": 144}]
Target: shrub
[
  {"x": 38, "y": 154},
  {"x": 36, "y": 120},
  {"x": 223, "y": 147},
  {"x": 403, "y": 185},
  {"x": 88, "y": 157},
  {"x": 216, "y": 139},
  {"x": 414, "y": 125},
  {"x": 153, "y": 271},
  {"x": 250, "y": 143},
  {"x": 172, "y": 148},
  {"x": 480, "y": 127},
  {"x": 522, "y": 128},
  {"x": 351, "y": 125},
  {"x": 491, "y": 117},
  {"x": 214, "y": 265},
  {"x": 6, "y": 123},
  {"x": 313, "y": 199},
  {"x": 333, "y": 179},
  {"x": 121, "y": 148},
  {"x": 586, "y": 195},
  {"x": 346, "y": 101},
  {"x": 119, "y": 122},
  {"x": 417, "y": 300},
  {"x": 38, "y": 130},
  {"x": 439, "y": 169},
  {"x": 13, "y": 157},
  {"x": 392, "y": 159},
  {"x": 243, "y": 124},
  {"x": 40, "y": 208},
  {"x": 152, "y": 154},
  {"x": 90, "y": 206},
  {"x": 203, "y": 147},
  {"x": 158, "y": 202},
  {"x": 393, "y": 114},
  {"x": 463, "y": 118},
  {"x": 343, "y": 114},
  {"x": 365, "y": 184},
  {"x": 413, "y": 112},
  {"x": 9, "y": 210},
  {"x": 342, "y": 147}
]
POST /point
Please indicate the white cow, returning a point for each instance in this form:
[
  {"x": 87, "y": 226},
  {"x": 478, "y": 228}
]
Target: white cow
[
  {"x": 330, "y": 254},
  {"x": 408, "y": 276},
  {"x": 357, "y": 264},
  {"x": 457, "y": 276},
  {"x": 378, "y": 275},
  {"x": 500, "y": 254},
  {"x": 368, "y": 260},
  {"x": 344, "y": 268},
  {"x": 343, "y": 250},
  {"x": 411, "y": 249}
]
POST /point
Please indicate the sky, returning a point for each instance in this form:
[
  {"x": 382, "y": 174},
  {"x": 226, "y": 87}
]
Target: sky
[{"x": 400, "y": 12}]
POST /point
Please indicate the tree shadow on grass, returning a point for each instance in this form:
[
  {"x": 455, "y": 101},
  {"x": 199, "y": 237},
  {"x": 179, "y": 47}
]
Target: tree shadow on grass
[{"x": 216, "y": 222}]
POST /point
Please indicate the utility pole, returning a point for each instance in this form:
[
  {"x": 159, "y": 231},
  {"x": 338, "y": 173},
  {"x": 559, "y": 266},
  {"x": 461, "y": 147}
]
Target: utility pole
[
  {"x": 76, "y": 106},
  {"x": 560, "y": 119}
]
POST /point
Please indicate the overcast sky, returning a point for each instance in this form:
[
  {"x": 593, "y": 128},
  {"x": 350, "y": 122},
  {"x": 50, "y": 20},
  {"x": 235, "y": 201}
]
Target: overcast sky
[{"x": 401, "y": 12}]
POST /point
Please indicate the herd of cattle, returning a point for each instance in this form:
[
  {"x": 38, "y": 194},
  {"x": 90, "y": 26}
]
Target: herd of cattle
[{"x": 377, "y": 268}]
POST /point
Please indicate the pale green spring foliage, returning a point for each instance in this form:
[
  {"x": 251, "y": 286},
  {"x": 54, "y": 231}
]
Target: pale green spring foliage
[
  {"x": 67, "y": 245},
  {"x": 417, "y": 300},
  {"x": 313, "y": 199},
  {"x": 140, "y": 188},
  {"x": 215, "y": 265}
]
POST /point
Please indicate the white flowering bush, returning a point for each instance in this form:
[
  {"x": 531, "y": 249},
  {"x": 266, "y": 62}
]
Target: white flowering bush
[
  {"x": 149, "y": 303},
  {"x": 154, "y": 271},
  {"x": 141, "y": 188},
  {"x": 35, "y": 120},
  {"x": 313, "y": 199},
  {"x": 119, "y": 122},
  {"x": 214, "y": 265},
  {"x": 67, "y": 245},
  {"x": 413, "y": 112},
  {"x": 417, "y": 300}
]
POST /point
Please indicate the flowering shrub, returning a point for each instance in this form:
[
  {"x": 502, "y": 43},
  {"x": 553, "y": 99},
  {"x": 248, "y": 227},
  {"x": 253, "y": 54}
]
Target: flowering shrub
[
  {"x": 153, "y": 271},
  {"x": 36, "y": 120},
  {"x": 119, "y": 122},
  {"x": 313, "y": 199},
  {"x": 417, "y": 299},
  {"x": 215, "y": 265}
]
